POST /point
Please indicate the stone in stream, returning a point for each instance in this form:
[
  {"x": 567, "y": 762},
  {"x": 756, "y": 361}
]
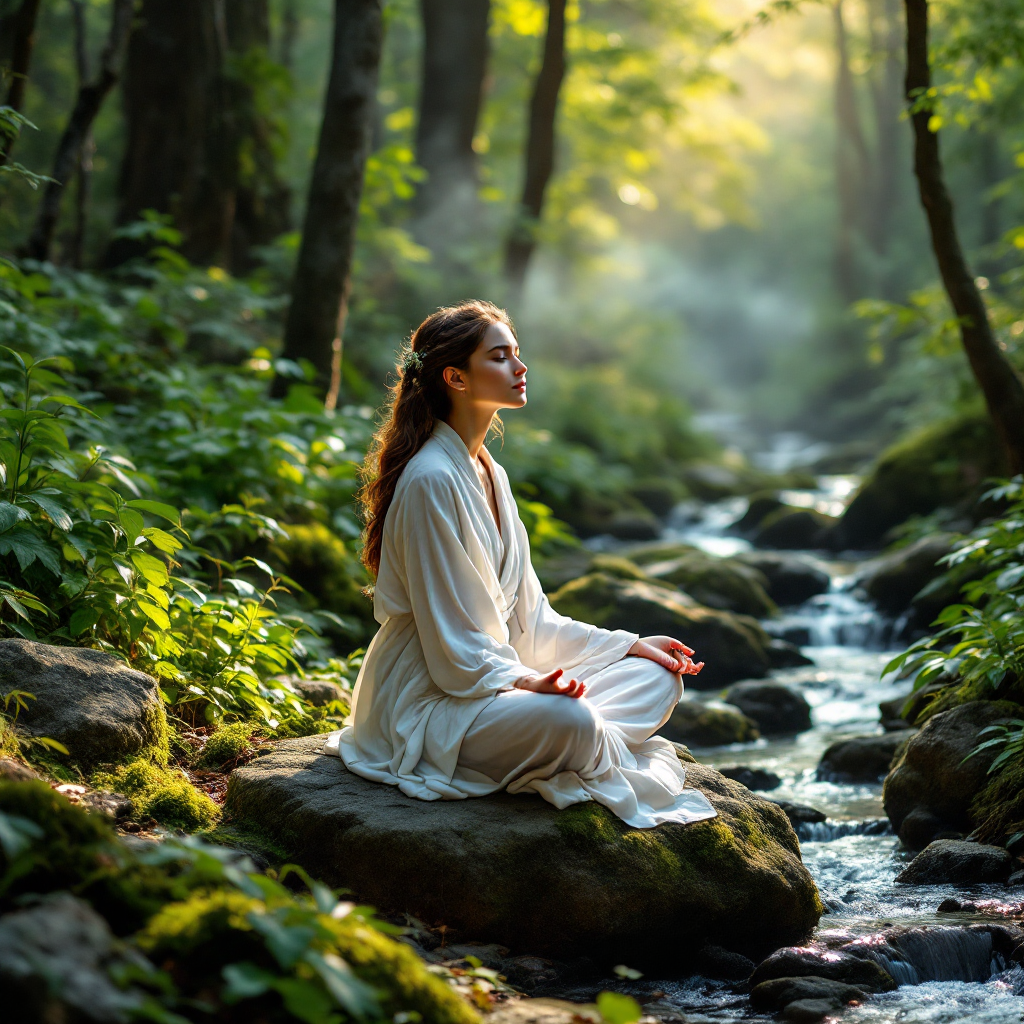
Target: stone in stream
[
  {"x": 861, "y": 758},
  {"x": 758, "y": 779},
  {"x": 933, "y": 783},
  {"x": 891, "y": 714},
  {"x": 731, "y": 646},
  {"x": 802, "y": 962},
  {"x": 90, "y": 701},
  {"x": 794, "y": 529},
  {"x": 801, "y": 814},
  {"x": 810, "y": 1011},
  {"x": 792, "y": 579},
  {"x": 514, "y": 870},
  {"x": 780, "y": 992},
  {"x": 957, "y": 862},
  {"x": 709, "y": 724},
  {"x": 783, "y": 654},
  {"x": 777, "y": 709},
  {"x": 720, "y": 963},
  {"x": 892, "y": 580}
]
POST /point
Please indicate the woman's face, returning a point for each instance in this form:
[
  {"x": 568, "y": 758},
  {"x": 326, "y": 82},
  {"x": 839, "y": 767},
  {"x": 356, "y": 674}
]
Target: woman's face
[{"x": 495, "y": 376}]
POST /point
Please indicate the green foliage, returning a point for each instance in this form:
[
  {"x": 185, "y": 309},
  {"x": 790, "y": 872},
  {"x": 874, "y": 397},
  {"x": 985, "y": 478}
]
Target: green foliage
[
  {"x": 227, "y": 745},
  {"x": 616, "y": 1008}
]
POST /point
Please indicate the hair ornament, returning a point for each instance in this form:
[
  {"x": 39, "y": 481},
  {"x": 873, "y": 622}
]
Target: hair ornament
[{"x": 412, "y": 363}]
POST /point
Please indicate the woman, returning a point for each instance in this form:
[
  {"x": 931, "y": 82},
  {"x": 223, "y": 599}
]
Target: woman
[{"x": 464, "y": 689}]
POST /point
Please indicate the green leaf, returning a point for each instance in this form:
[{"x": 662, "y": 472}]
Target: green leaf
[
  {"x": 27, "y": 546},
  {"x": 11, "y": 514},
  {"x": 17, "y": 834},
  {"x": 305, "y": 1000},
  {"x": 616, "y": 1008},
  {"x": 151, "y": 568},
  {"x": 57, "y": 513},
  {"x": 157, "y": 508},
  {"x": 245, "y": 981},
  {"x": 351, "y": 993},
  {"x": 162, "y": 540},
  {"x": 154, "y": 613},
  {"x": 83, "y": 619},
  {"x": 132, "y": 523}
]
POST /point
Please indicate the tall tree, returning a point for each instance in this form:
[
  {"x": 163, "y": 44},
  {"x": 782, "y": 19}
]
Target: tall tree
[
  {"x": 79, "y": 127},
  {"x": 323, "y": 272},
  {"x": 17, "y": 40},
  {"x": 852, "y": 167},
  {"x": 200, "y": 146},
  {"x": 999, "y": 382},
  {"x": 83, "y": 176},
  {"x": 540, "y": 151},
  {"x": 455, "y": 51}
]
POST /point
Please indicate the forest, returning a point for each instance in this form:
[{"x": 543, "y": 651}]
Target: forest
[{"x": 765, "y": 261}]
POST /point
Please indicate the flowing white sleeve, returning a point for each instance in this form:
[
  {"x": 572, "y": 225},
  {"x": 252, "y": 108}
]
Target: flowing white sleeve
[
  {"x": 456, "y": 618},
  {"x": 550, "y": 640}
]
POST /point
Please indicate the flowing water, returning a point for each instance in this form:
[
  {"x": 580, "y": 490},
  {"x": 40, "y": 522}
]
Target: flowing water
[{"x": 948, "y": 975}]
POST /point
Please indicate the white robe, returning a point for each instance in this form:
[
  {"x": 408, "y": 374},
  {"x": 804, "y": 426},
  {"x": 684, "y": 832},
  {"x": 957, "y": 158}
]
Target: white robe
[{"x": 463, "y": 617}]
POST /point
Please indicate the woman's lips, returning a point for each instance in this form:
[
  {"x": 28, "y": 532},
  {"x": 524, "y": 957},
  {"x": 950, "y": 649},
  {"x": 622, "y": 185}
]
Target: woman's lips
[{"x": 521, "y": 386}]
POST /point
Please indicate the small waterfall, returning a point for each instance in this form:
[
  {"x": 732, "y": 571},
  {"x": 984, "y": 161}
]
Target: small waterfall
[
  {"x": 837, "y": 618},
  {"x": 827, "y": 831},
  {"x": 916, "y": 955}
]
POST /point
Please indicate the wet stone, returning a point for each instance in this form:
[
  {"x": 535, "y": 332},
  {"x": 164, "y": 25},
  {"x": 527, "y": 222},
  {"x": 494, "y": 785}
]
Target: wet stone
[
  {"x": 800, "y": 814},
  {"x": 809, "y": 1011},
  {"x": 861, "y": 758},
  {"x": 720, "y": 963},
  {"x": 777, "y": 709},
  {"x": 957, "y": 862},
  {"x": 780, "y": 992},
  {"x": 758, "y": 779},
  {"x": 799, "y": 961}
]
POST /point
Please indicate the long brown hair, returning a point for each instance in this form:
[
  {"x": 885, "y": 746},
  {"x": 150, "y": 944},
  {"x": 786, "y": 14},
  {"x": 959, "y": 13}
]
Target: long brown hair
[{"x": 420, "y": 398}]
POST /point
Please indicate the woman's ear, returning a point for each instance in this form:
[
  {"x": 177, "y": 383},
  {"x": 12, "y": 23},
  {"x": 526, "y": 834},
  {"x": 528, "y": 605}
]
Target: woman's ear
[{"x": 453, "y": 378}]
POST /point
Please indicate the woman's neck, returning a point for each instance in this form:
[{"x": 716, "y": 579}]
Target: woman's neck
[{"x": 471, "y": 423}]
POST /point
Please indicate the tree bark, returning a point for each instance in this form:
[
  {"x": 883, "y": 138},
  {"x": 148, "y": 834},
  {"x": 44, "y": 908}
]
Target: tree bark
[
  {"x": 188, "y": 129},
  {"x": 852, "y": 167},
  {"x": 540, "y": 152},
  {"x": 83, "y": 193},
  {"x": 87, "y": 106},
  {"x": 455, "y": 50},
  {"x": 316, "y": 316},
  {"x": 18, "y": 32},
  {"x": 999, "y": 382}
]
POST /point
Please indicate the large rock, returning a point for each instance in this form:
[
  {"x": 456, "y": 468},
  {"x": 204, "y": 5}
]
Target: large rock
[
  {"x": 931, "y": 787},
  {"x": 794, "y": 528},
  {"x": 721, "y": 583},
  {"x": 803, "y": 962},
  {"x": 514, "y": 870},
  {"x": 95, "y": 705},
  {"x": 792, "y": 580},
  {"x": 777, "y": 709},
  {"x": 893, "y": 580},
  {"x": 780, "y": 992},
  {"x": 732, "y": 647},
  {"x": 711, "y": 724},
  {"x": 940, "y": 465},
  {"x": 758, "y": 779},
  {"x": 957, "y": 862},
  {"x": 861, "y": 758}
]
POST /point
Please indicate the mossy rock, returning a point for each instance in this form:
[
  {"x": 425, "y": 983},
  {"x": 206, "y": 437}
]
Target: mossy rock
[
  {"x": 731, "y": 646},
  {"x": 162, "y": 793},
  {"x": 935, "y": 781},
  {"x": 791, "y": 579},
  {"x": 659, "y": 495},
  {"x": 90, "y": 701},
  {"x": 329, "y": 570},
  {"x": 793, "y": 529},
  {"x": 72, "y": 849},
  {"x": 514, "y": 870},
  {"x": 709, "y": 725},
  {"x": 197, "y": 938},
  {"x": 721, "y": 583},
  {"x": 893, "y": 581},
  {"x": 940, "y": 466}
]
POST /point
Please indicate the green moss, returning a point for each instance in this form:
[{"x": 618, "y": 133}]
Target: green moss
[
  {"x": 997, "y": 811},
  {"x": 198, "y": 937},
  {"x": 9, "y": 745},
  {"x": 163, "y": 794},
  {"x": 615, "y": 565},
  {"x": 227, "y": 745},
  {"x": 156, "y": 725},
  {"x": 78, "y": 851}
]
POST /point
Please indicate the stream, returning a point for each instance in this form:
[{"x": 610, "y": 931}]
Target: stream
[{"x": 853, "y": 856}]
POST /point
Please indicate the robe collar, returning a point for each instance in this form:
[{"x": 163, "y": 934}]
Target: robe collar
[{"x": 509, "y": 569}]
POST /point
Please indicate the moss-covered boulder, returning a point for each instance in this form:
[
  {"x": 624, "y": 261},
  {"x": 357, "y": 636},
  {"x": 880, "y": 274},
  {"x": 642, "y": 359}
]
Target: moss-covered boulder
[
  {"x": 940, "y": 466},
  {"x": 514, "y": 870},
  {"x": 791, "y": 579},
  {"x": 932, "y": 786},
  {"x": 711, "y": 724},
  {"x": 731, "y": 646},
  {"x": 721, "y": 583},
  {"x": 779, "y": 710},
  {"x": 793, "y": 529},
  {"x": 90, "y": 701},
  {"x": 861, "y": 758},
  {"x": 893, "y": 580}
]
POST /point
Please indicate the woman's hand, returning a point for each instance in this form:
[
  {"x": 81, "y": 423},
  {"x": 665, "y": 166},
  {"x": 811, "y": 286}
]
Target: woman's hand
[
  {"x": 553, "y": 683},
  {"x": 668, "y": 653}
]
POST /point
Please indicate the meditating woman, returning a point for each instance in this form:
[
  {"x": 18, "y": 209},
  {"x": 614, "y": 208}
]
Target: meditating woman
[{"x": 473, "y": 683}]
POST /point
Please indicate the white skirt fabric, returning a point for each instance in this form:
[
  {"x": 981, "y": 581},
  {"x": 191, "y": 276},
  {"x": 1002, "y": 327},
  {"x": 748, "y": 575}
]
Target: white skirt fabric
[{"x": 599, "y": 747}]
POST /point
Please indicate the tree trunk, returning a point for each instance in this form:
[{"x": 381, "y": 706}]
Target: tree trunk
[
  {"x": 999, "y": 382},
  {"x": 852, "y": 164},
  {"x": 316, "y": 316},
  {"x": 455, "y": 50},
  {"x": 886, "y": 96},
  {"x": 540, "y": 151},
  {"x": 76, "y": 242},
  {"x": 17, "y": 38},
  {"x": 79, "y": 127},
  {"x": 187, "y": 131}
]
